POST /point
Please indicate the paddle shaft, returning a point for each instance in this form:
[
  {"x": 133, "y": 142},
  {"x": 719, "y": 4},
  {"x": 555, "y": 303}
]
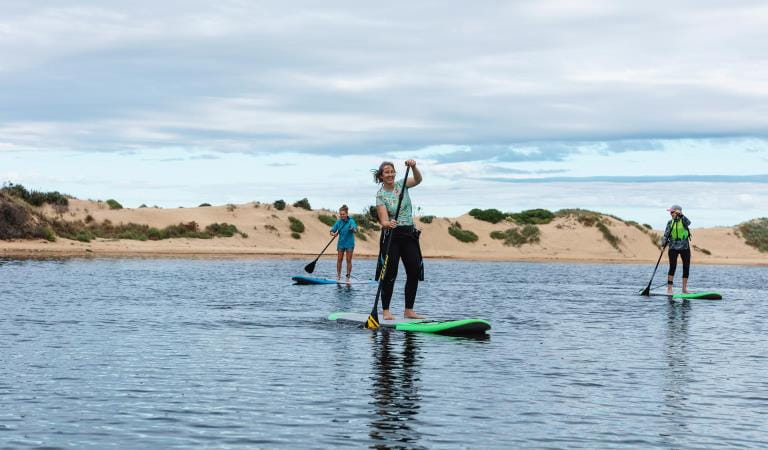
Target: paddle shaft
[
  {"x": 647, "y": 290},
  {"x": 311, "y": 266},
  {"x": 374, "y": 312}
]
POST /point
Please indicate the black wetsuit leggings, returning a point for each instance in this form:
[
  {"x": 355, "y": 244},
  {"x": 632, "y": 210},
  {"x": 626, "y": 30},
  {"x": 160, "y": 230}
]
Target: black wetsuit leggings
[
  {"x": 404, "y": 247},
  {"x": 685, "y": 255}
]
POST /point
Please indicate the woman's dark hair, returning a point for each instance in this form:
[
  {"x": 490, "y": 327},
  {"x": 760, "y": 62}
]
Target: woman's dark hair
[
  {"x": 344, "y": 208},
  {"x": 378, "y": 173}
]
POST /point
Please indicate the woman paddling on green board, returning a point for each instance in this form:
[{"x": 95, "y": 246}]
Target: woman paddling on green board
[
  {"x": 344, "y": 228},
  {"x": 405, "y": 239},
  {"x": 679, "y": 236}
]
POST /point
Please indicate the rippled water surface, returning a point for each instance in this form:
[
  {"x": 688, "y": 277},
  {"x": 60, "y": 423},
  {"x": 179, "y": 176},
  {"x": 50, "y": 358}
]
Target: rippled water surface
[{"x": 229, "y": 354}]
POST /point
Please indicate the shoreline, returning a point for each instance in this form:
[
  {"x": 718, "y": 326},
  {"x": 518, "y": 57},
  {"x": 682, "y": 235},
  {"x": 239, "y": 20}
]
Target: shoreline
[
  {"x": 264, "y": 232},
  {"x": 30, "y": 253}
]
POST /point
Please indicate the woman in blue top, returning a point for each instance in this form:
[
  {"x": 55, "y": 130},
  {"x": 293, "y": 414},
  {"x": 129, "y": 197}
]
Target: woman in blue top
[
  {"x": 405, "y": 243},
  {"x": 678, "y": 234},
  {"x": 345, "y": 229}
]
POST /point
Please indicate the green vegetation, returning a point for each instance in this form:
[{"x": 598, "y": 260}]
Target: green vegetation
[
  {"x": 143, "y": 205},
  {"x": 303, "y": 203},
  {"x": 487, "y": 215},
  {"x": 114, "y": 204},
  {"x": 702, "y": 250},
  {"x": 327, "y": 219},
  {"x": 35, "y": 198},
  {"x": 532, "y": 217},
  {"x": 48, "y": 234},
  {"x": 583, "y": 216},
  {"x": 517, "y": 237},
  {"x": 642, "y": 228},
  {"x": 594, "y": 219},
  {"x": 456, "y": 231},
  {"x": 107, "y": 230},
  {"x": 279, "y": 205},
  {"x": 296, "y": 235},
  {"x": 222, "y": 229},
  {"x": 83, "y": 236},
  {"x": 608, "y": 236},
  {"x": 755, "y": 233},
  {"x": 648, "y": 226},
  {"x": 426, "y": 219},
  {"x": 368, "y": 221},
  {"x": 18, "y": 221},
  {"x": 296, "y": 225},
  {"x": 655, "y": 238}
]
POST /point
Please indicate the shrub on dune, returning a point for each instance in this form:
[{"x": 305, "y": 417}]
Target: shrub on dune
[
  {"x": 303, "y": 203},
  {"x": 456, "y": 231},
  {"x": 488, "y": 215},
  {"x": 296, "y": 225},
  {"x": 327, "y": 219}
]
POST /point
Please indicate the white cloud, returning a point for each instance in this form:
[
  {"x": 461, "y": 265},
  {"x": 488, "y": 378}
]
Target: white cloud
[{"x": 576, "y": 89}]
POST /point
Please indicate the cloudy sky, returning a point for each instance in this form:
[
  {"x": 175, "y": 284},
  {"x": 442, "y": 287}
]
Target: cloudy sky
[{"x": 619, "y": 106}]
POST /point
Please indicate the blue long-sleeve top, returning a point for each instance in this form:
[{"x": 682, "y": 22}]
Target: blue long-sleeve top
[{"x": 347, "y": 233}]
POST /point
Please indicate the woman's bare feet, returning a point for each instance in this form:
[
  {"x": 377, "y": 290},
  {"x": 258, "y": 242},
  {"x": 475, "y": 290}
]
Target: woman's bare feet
[
  {"x": 387, "y": 315},
  {"x": 411, "y": 314}
]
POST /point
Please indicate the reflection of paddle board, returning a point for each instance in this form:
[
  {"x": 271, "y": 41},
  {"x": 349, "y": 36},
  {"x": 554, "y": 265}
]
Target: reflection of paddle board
[
  {"x": 709, "y": 295},
  {"x": 301, "y": 279},
  {"x": 450, "y": 327}
]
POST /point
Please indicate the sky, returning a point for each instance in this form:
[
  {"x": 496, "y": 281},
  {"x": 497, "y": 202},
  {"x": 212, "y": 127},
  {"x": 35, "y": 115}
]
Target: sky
[{"x": 617, "y": 106}]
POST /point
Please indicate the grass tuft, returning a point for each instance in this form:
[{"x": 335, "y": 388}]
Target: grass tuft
[
  {"x": 327, "y": 219},
  {"x": 456, "y": 231},
  {"x": 755, "y": 233},
  {"x": 517, "y": 237}
]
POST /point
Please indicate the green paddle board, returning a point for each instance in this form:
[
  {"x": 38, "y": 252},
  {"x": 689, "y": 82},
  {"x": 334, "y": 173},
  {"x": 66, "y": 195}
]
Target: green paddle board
[
  {"x": 707, "y": 295},
  {"x": 458, "y": 327}
]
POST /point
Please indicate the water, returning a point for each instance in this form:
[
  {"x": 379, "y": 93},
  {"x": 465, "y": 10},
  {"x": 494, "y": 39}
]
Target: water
[{"x": 131, "y": 353}]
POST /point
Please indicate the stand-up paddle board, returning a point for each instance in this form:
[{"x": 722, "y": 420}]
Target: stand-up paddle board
[
  {"x": 709, "y": 295},
  {"x": 301, "y": 279},
  {"x": 450, "y": 327}
]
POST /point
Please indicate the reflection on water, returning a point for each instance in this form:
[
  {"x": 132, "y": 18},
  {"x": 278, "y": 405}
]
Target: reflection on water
[
  {"x": 395, "y": 391},
  {"x": 678, "y": 374}
]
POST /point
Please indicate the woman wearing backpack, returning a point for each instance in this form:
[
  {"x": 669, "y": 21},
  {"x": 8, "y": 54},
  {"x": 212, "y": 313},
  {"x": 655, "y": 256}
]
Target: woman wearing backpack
[{"x": 678, "y": 235}]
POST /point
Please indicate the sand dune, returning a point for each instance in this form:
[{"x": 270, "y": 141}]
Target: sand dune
[{"x": 564, "y": 239}]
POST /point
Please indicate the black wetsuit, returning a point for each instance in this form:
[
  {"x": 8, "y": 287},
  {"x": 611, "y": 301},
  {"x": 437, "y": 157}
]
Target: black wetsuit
[{"x": 405, "y": 247}]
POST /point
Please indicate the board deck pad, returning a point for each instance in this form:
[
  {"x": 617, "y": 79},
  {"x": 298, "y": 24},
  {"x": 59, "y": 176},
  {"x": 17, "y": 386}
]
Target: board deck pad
[
  {"x": 450, "y": 327},
  {"x": 706, "y": 295},
  {"x": 302, "y": 279}
]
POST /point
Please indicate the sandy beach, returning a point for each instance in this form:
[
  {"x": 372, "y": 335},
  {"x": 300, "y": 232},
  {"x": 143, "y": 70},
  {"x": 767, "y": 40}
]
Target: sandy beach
[{"x": 268, "y": 234}]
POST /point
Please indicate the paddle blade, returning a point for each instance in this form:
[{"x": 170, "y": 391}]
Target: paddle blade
[
  {"x": 372, "y": 323},
  {"x": 646, "y": 292},
  {"x": 310, "y": 267}
]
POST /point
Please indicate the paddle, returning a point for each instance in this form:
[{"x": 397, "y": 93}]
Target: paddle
[
  {"x": 373, "y": 318},
  {"x": 647, "y": 290},
  {"x": 311, "y": 266}
]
